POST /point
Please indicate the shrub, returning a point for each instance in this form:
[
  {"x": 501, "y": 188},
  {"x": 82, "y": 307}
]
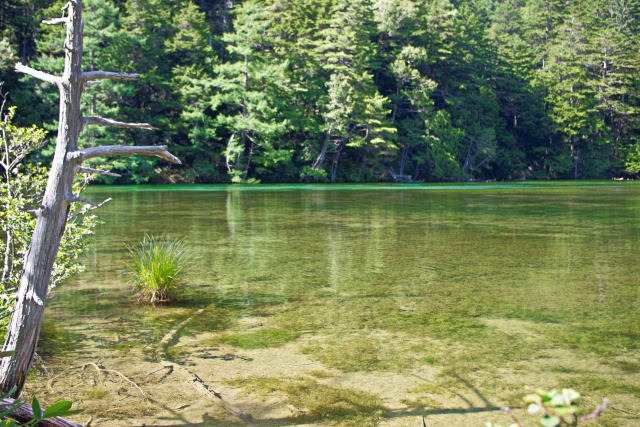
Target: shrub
[
  {"x": 22, "y": 187},
  {"x": 158, "y": 267},
  {"x": 555, "y": 409}
]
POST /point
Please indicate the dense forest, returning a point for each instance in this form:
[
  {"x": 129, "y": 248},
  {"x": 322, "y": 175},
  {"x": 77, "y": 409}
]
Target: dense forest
[{"x": 348, "y": 90}]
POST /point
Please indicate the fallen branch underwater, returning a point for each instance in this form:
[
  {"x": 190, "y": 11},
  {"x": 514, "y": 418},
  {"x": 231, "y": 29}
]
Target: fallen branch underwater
[
  {"x": 101, "y": 370},
  {"x": 195, "y": 381}
]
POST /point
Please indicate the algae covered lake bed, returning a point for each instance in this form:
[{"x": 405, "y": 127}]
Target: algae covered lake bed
[{"x": 355, "y": 305}]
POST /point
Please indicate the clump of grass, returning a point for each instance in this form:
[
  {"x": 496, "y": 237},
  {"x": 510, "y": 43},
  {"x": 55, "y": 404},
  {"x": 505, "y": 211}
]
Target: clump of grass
[{"x": 158, "y": 267}]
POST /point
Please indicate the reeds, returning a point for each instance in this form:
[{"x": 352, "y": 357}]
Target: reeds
[{"x": 158, "y": 267}]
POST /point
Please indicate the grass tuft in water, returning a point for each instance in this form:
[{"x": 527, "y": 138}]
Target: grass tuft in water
[{"x": 158, "y": 267}]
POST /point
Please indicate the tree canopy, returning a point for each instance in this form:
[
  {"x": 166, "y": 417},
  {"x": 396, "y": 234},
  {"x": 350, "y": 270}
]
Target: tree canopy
[{"x": 362, "y": 90}]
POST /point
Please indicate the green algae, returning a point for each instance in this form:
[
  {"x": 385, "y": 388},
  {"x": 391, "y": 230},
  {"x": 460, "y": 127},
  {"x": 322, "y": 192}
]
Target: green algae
[
  {"x": 316, "y": 402},
  {"x": 261, "y": 338}
]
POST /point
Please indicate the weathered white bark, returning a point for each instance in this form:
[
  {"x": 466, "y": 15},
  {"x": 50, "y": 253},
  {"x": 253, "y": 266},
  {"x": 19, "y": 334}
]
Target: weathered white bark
[
  {"x": 55, "y": 21},
  {"x": 97, "y": 172},
  {"x": 22, "y": 336},
  {"x": 91, "y": 120},
  {"x": 123, "y": 150},
  {"x": 110, "y": 75},
  {"x": 49, "y": 78}
]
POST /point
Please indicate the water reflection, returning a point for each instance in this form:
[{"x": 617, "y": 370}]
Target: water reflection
[{"x": 556, "y": 254}]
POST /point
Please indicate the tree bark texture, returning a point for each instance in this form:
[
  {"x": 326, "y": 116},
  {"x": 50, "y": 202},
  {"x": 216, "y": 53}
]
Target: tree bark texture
[{"x": 22, "y": 336}]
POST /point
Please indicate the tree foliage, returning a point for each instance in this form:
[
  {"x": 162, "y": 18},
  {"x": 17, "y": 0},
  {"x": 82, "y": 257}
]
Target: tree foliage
[
  {"x": 314, "y": 90},
  {"x": 21, "y": 190}
]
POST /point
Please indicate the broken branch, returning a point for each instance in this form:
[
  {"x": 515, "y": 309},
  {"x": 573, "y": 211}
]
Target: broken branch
[
  {"x": 124, "y": 150},
  {"x": 92, "y": 120},
  {"x": 596, "y": 413},
  {"x": 54, "y": 21},
  {"x": 103, "y": 75},
  {"x": 97, "y": 172},
  {"x": 49, "y": 78},
  {"x": 95, "y": 206},
  {"x": 75, "y": 199},
  {"x": 100, "y": 370},
  {"x": 203, "y": 388}
]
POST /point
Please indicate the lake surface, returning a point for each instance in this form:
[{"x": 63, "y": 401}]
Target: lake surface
[{"x": 357, "y": 304}]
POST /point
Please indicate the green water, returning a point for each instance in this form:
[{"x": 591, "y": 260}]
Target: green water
[{"x": 489, "y": 281}]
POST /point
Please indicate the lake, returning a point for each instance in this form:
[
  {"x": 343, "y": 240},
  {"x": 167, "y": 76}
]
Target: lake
[{"x": 355, "y": 305}]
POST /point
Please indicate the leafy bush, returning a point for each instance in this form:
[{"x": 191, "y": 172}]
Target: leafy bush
[
  {"x": 554, "y": 408},
  {"x": 22, "y": 187},
  {"x": 158, "y": 267}
]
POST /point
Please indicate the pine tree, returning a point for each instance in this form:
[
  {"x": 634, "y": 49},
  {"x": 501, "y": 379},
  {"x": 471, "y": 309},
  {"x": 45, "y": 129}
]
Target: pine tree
[
  {"x": 249, "y": 87},
  {"x": 354, "y": 114}
]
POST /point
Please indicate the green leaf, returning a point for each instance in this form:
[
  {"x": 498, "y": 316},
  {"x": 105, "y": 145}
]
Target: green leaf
[
  {"x": 58, "y": 409},
  {"x": 564, "y": 410},
  {"x": 10, "y": 392},
  {"x": 533, "y": 409},
  {"x": 570, "y": 395},
  {"x": 545, "y": 394},
  {"x": 6, "y": 353},
  {"x": 559, "y": 400},
  {"x": 10, "y": 410},
  {"x": 37, "y": 412},
  {"x": 550, "y": 421}
]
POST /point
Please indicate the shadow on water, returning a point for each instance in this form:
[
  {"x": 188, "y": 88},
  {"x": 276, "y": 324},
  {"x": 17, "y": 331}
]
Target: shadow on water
[{"x": 411, "y": 411}]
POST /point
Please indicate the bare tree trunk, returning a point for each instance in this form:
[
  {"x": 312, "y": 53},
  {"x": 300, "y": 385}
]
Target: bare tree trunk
[
  {"x": 22, "y": 336},
  {"x": 336, "y": 161},
  {"x": 574, "y": 158},
  {"x": 403, "y": 157},
  {"x": 323, "y": 151},
  {"x": 24, "y": 328}
]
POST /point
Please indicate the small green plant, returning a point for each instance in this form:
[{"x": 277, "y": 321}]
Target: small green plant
[
  {"x": 557, "y": 409},
  {"x": 158, "y": 267},
  {"x": 59, "y": 409}
]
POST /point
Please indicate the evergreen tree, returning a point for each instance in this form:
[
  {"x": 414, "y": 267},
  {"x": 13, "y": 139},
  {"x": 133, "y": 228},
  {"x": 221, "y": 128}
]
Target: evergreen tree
[
  {"x": 355, "y": 116},
  {"x": 249, "y": 87}
]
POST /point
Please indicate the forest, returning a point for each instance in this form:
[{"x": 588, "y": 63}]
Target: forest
[{"x": 347, "y": 91}]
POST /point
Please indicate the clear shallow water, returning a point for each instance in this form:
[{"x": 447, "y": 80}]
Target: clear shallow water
[{"x": 497, "y": 274}]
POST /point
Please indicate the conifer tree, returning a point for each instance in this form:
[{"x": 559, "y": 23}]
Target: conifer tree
[
  {"x": 249, "y": 86},
  {"x": 355, "y": 114}
]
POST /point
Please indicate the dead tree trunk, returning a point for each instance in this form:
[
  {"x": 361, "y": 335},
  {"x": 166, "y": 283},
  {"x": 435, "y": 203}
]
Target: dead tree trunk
[{"x": 24, "y": 328}]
